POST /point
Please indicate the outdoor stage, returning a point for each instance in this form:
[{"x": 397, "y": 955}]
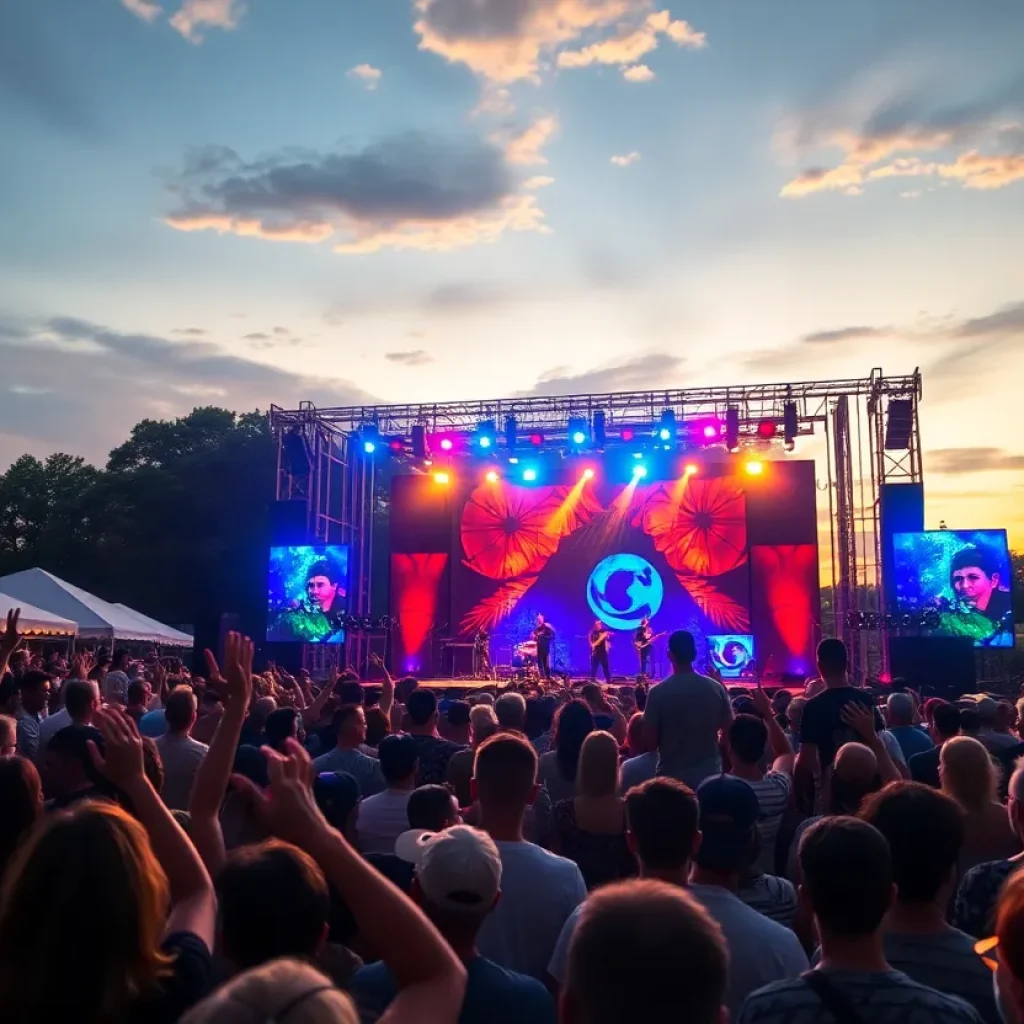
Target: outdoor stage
[{"x": 695, "y": 509}]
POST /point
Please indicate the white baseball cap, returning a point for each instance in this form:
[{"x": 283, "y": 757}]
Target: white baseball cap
[{"x": 457, "y": 869}]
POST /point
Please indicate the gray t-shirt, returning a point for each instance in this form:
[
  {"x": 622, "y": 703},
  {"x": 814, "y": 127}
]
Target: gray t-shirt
[
  {"x": 688, "y": 711},
  {"x": 948, "y": 963},
  {"x": 879, "y": 997}
]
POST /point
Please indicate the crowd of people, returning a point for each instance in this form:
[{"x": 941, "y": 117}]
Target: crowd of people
[{"x": 248, "y": 846}]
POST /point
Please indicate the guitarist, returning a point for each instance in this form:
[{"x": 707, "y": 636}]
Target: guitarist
[
  {"x": 643, "y": 641},
  {"x": 600, "y": 641}
]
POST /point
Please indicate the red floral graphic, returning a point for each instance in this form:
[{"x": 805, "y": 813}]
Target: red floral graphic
[
  {"x": 509, "y": 531},
  {"x": 700, "y": 527}
]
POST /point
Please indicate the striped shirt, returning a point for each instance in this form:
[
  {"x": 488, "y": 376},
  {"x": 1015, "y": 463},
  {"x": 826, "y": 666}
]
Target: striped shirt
[
  {"x": 772, "y": 799},
  {"x": 878, "y": 997}
]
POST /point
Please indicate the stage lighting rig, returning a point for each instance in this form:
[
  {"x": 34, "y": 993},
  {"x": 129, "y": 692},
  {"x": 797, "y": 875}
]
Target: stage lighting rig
[
  {"x": 732, "y": 429},
  {"x": 419, "y": 441},
  {"x": 578, "y": 432},
  {"x": 666, "y": 428},
  {"x": 790, "y": 425},
  {"x": 369, "y": 435},
  {"x": 486, "y": 435},
  {"x": 600, "y": 431},
  {"x": 511, "y": 433}
]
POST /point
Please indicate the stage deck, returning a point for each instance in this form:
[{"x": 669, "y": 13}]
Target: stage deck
[{"x": 771, "y": 685}]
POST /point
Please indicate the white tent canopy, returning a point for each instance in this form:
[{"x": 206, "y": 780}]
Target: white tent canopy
[
  {"x": 172, "y": 637},
  {"x": 97, "y": 619},
  {"x": 34, "y": 621}
]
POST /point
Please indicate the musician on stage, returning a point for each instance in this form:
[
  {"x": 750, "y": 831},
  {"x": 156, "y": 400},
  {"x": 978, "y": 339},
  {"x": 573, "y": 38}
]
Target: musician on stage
[
  {"x": 643, "y": 641},
  {"x": 543, "y": 633},
  {"x": 482, "y": 653},
  {"x": 600, "y": 639}
]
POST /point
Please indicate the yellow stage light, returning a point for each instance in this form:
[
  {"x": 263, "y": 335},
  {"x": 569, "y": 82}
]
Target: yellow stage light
[
  {"x": 755, "y": 468},
  {"x": 442, "y": 478},
  {"x": 492, "y": 477}
]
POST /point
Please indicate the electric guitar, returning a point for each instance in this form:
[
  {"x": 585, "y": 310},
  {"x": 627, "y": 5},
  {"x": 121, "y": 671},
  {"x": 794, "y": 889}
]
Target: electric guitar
[{"x": 641, "y": 644}]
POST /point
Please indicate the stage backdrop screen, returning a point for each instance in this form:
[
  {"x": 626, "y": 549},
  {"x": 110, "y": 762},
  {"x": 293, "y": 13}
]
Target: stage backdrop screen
[
  {"x": 307, "y": 594},
  {"x": 673, "y": 552},
  {"x": 958, "y": 582},
  {"x": 732, "y": 654}
]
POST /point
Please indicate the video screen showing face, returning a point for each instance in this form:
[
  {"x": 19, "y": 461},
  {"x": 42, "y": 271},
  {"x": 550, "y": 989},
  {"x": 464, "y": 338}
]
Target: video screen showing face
[
  {"x": 957, "y": 584},
  {"x": 307, "y": 594},
  {"x": 732, "y": 654}
]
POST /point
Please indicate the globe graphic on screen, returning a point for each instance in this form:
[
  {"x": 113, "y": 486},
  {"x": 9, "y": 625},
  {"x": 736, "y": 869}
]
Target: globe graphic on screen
[{"x": 624, "y": 589}]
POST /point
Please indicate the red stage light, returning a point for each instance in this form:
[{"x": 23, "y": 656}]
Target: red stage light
[
  {"x": 767, "y": 429},
  {"x": 628, "y": 434},
  {"x": 447, "y": 444},
  {"x": 536, "y": 440},
  {"x": 397, "y": 445},
  {"x": 710, "y": 431}
]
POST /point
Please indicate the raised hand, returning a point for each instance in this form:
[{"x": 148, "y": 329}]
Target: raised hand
[
  {"x": 213, "y": 674},
  {"x": 861, "y": 719},
  {"x": 11, "y": 640},
  {"x": 287, "y": 808},
  {"x": 121, "y": 760},
  {"x": 762, "y": 702},
  {"x": 238, "y": 651}
]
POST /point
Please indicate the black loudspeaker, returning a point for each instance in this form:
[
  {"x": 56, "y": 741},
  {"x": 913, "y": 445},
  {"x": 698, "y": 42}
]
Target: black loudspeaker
[
  {"x": 934, "y": 666},
  {"x": 288, "y": 522}
]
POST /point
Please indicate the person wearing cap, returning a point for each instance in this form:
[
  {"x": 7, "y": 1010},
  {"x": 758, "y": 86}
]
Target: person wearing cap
[
  {"x": 457, "y": 884},
  {"x": 383, "y": 817},
  {"x": 848, "y": 887},
  {"x": 760, "y": 950},
  {"x": 685, "y": 716}
]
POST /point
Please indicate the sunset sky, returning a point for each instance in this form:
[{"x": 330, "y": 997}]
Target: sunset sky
[{"x": 238, "y": 203}]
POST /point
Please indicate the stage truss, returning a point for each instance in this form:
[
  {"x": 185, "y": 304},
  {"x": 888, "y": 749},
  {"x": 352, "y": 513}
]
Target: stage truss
[{"x": 321, "y": 462}]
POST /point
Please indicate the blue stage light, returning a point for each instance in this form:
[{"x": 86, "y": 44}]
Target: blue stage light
[
  {"x": 529, "y": 475},
  {"x": 369, "y": 447},
  {"x": 639, "y": 470},
  {"x": 485, "y": 441}
]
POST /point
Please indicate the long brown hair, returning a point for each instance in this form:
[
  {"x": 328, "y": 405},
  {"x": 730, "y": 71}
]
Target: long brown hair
[
  {"x": 82, "y": 913},
  {"x": 21, "y": 804}
]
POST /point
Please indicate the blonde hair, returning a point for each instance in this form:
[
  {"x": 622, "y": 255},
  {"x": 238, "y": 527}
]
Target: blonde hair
[
  {"x": 598, "y": 772},
  {"x": 286, "y": 990},
  {"x": 84, "y": 891},
  {"x": 967, "y": 773},
  {"x": 483, "y": 721},
  {"x": 8, "y": 728}
]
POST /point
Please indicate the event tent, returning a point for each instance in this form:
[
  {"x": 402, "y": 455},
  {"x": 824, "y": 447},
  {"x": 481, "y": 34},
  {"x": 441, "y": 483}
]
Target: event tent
[
  {"x": 172, "y": 637},
  {"x": 34, "y": 621},
  {"x": 96, "y": 618}
]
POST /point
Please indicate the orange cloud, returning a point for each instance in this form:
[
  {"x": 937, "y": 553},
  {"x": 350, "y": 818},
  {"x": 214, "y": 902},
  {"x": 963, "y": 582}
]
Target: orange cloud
[
  {"x": 367, "y": 74},
  {"x": 538, "y": 181},
  {"x": 630, "y": 47},
  {"x": 524, "y": 149},
  {"x": 195, "y": 15},
  {"x": 638, "y": 73},
  {"x": 144, "y": 9},
  {"x": 865, "y": 155}
]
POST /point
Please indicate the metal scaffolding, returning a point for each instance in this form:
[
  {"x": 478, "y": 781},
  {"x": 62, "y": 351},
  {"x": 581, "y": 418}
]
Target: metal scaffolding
[{"x": 320, "y": 462}]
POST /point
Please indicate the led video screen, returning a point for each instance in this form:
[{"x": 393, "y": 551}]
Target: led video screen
[
  {"x": 732, "y": 654},
  {"x": 956, "y": 584},
  {"x": 307, "y": 594},
  {"x": 672, "y": 555}
]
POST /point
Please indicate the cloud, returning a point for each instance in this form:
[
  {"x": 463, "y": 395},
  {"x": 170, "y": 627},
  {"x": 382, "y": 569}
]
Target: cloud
[
  {"x": 495, "y": 101},
  {"x": 508, "y": 40},
  {"x": 416, "y": 357},
  {"x": 844, "y": 334},
  {"x": 152, "y": 376},
  {"x": 367, "y": 74},
  {"x": 631, "y": 375},
  {"x": 628, "y": 47},
  {"x": 955, "y": 461},
  {"x": 256, "y": 336},
  {"x": 144, "y": 9},
  {"x": 191, "y": 332},
  {"x": 196, "y": 15},
  {"x": 538, "y": 181},
  {"x": 626, "y": 159},
  {"x": 524, "y": 148},
  {"x": 413, "y": 191},
  {"x": 638, "y": 73},
  {"x": 891, "y": 139},
  {"x": 464, "y": 296}
]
